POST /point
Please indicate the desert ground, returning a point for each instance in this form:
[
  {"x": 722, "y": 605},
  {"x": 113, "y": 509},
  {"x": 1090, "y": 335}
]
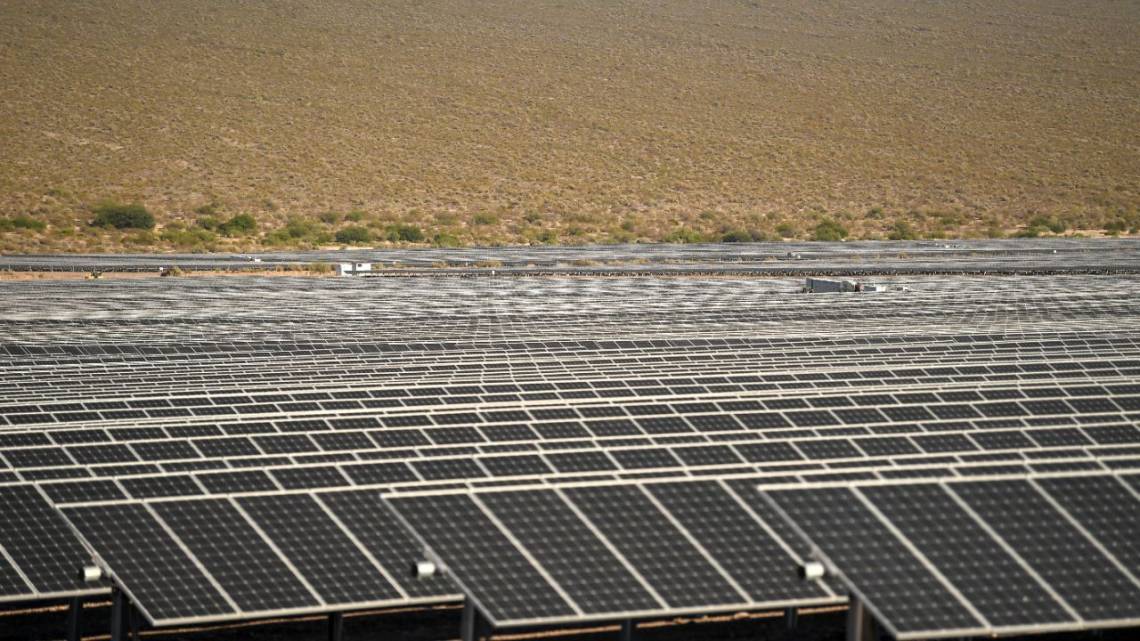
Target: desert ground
[{"x": 564, "y": 121}]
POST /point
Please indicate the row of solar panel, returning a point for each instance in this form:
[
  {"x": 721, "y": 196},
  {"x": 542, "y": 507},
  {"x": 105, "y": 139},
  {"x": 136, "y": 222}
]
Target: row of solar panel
[
  {"x": 359, "y": 557},
  {"x": 340, "y": 400},
  {"x": 982, "y": 558},
  {"x": 259, "y": 404},
  {"x": 500, "y": 470},
  {"x": 813, "y": 350},
  {"x": 34, "y": 449},
  {"x": 303, "y": 369},
  {"x": 768, "y": 349},
  {"x": 858, "y": 345},
  {"x": 760, "y": 446},
  {"x": 936, "y": 559},
  {"x": 768, "y": 440},
  {"x": 212, "y": 559},
  {"x": 603, "y": 369}
]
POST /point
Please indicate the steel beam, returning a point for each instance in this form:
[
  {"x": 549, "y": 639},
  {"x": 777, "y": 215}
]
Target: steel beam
[
  {"x": 74, "y": 618},
  {"x": 336, "y": 626},
  {"x": 120, "y": 627},
  {"x": 469, "y": 626},
  {"x": 628, "y": 630},
  {"x": 860, "y": 625},
  {"x": 791, "y": 618}
]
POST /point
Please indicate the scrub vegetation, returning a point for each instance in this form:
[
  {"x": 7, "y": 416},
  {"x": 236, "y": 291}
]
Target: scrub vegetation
[{"x": 130, "y": 125}]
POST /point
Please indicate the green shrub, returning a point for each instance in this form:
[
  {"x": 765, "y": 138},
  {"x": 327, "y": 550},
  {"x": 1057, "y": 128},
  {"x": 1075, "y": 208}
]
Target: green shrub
[
  {"x": 353, "y": 235},
  {"x": 1047, "y": 223},
  {"x": 329, "y": 217},
  {"x": 236, "y": 226},
  {"x": 297, "y": 229},
  {"x": 829, "y": 230},
  {"x": 785, "y": 230},
  {"x": 1117, "y": 226},
  {"x": 901, "y": 230},
  {"x": 736, "y": 236},
  {"x": 188, "y": 238},
  {"x": 406, "y": 233},
  {"x": 209, "y": 209},
  {"x": 685, "y": 236},
  {"x": 354, "y": 216},
  {"x": 239, "y": 224},
  {"x": 210, "y": 222},
  {"x": 445, "y": 239},
  {"x": 484, "y": 218},
  {"x": 22, "y": 221},
  {"x": 133, "y": 216}
]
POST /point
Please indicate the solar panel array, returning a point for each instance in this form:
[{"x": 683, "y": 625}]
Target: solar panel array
[
  {"x": 975, "y": 256},
  {"x": 569, "y": 449}
]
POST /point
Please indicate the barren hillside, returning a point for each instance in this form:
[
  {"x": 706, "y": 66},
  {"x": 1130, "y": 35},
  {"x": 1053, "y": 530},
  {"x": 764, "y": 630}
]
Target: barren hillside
[{"x": 490, "y": 121}]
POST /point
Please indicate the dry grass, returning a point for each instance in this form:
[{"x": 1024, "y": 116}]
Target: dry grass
[{"x": 567, "y": 121}]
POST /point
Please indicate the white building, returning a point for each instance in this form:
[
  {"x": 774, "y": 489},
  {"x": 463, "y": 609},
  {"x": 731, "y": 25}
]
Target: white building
[{"x": 352, "y": 269}]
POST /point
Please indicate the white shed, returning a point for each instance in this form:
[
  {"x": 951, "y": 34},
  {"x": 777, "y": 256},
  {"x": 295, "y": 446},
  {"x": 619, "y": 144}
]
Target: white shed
[{"x": 352, "y": 269}]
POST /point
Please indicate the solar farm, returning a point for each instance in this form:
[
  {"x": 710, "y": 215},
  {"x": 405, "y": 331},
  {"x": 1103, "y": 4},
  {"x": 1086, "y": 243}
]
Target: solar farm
[{"x": 580, "y": 437}]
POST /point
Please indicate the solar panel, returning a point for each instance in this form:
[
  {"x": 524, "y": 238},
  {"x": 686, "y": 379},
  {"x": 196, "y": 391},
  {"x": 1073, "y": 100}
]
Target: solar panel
[
  {"x": 334, "y": 566},
  {"x": 38, "y": 546},
  {"x": 163, "y": 581},
  {"x": 250, "y": 571},
  {"x": 993, "y": 556},
  {"x": 482, "y": 559},
  {"x": 591, "y": 575}
]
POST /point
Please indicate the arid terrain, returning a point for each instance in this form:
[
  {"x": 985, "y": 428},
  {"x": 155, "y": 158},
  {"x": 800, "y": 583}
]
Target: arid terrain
[{"x": 564, "y": 121}]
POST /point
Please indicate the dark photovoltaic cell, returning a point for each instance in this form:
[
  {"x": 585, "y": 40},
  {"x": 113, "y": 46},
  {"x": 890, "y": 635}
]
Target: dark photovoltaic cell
[
  {"x": 522, "y": 465},
  {"x": 166, "y": 584},
  {"x": 991, "y": 580},
  {"x": 38, "y": 540},
  {"x": 1056, "y": 550},
  {"x": 236, "y": 481},
  {"x": 1106, "y": 509},
  {"x": 741, "y": 546},
  {"x": 82, "y": 491},
  {"x": 157, "y": 486},
  {"x": 481, "y": 558},
  {"x": 745, "y": 490},
  {"x": 366, "y": 516},
  {"x": 872, "y": 559},
  {"x": 319, "y": 549},
  {"x": 10, "y": 582},
  {"x": 655, "y": 548},
  {"x": 235, "y": 555},
  {"x": 566, "y": 548}
]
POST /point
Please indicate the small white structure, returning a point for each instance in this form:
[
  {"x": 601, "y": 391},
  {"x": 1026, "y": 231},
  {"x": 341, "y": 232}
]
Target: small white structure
[{"x": 353, "y": 269}]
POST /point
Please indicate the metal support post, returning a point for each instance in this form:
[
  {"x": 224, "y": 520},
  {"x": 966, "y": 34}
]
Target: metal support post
[
  {"x": 791, "y": 618},
  {"x": 628, "y": 630},
  {"x": 336, "y": 626},
  {"x": 74, "y": 618},
  {"x": 133, "y": 621},
  {"x": 860, "y": 626},
  {"x": 469, "y": 626},
  {"x": 119, "y": 614}
]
